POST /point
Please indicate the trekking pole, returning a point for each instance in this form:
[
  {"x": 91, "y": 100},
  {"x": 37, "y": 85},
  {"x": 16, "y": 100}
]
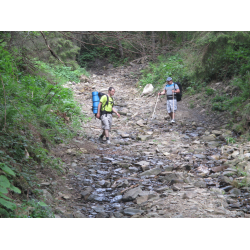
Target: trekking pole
[
  {"x": 173, "y": 106},
  {"x": 155, "y": 106}
]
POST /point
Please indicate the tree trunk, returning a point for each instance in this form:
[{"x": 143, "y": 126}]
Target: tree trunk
[
  {"x": 167, "y": 37},
  {"x": 120, "y": 45},
  {"x": 153, "y": 45}
]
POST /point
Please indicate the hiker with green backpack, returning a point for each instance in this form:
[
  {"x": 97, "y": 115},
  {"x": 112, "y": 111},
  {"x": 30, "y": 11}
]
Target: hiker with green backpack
[
  {"x": 105, "y": 110},
  {"x": 171, "y": 90}
]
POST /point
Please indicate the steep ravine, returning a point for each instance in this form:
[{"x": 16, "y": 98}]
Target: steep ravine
[{"x": 152, "y": 168}]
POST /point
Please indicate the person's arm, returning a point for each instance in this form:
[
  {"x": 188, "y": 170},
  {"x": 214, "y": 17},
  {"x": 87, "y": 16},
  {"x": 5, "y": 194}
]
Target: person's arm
[
  {"x": 99, "y": 110},
  {"x": 175, "y": 90},
  {"x": 116, "y": 112},
  {"x": 162, "y": 93}
]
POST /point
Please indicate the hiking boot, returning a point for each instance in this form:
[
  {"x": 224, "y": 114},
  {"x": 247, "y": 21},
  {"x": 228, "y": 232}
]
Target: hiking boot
[
  {"x": 100, "y": 139},
  {"x": 108, "y": 141},
  {"x": 172, "y": 121}
]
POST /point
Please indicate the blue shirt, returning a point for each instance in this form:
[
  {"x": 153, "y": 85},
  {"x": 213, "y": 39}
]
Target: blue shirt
[{"x": 171, "y": 87}]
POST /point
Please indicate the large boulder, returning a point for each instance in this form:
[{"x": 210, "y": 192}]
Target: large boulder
[{"x": 148, "y": 89}]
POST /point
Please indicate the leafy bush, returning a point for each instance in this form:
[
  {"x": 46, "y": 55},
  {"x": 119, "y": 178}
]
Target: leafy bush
[
  {"x": 63, "y": 73},
  {"x": 157, "y": 73},
  {"x": 34, "y": 114}
]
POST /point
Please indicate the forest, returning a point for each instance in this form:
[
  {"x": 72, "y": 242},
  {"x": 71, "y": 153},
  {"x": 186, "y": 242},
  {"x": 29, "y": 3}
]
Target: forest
[{"x": 37, "y": 112}]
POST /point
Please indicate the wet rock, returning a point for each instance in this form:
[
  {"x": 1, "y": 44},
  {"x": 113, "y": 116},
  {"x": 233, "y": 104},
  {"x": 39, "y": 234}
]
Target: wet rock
[
  {"x": 131, "y": 194},
  {"x": 132, "y": 211},
  {"x": 98, "y": 209},
  {"x": 117, "y": 198},
  {"x": 118, "y": 215},
  {"x": 102, "y": 215},
  {"x": 104, "y": 183},
  {"x": 227, "y": 188}
]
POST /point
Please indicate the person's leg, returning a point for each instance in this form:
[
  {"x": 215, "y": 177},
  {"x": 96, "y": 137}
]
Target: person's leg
[
  {"x": 175, "y": 108},
  {"x": 106, "y": 133},
  {"x": 109, "y": 118},
  {"x": 169, "y": 108}
]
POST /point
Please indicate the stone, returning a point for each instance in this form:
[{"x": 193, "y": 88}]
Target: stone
[
  {"x": 189, "y": 195},
  {"x": 168, "y": 168},
  {"x": 175, "y": 187},
  {"x": 78, "y": 214},
  {"x": 117, "y": 198},
  {"x": 102, "y": 215},
  {"x": 45, "y": 184},
  {"x": 131, "y": 194},
  {"x": 224, "y": 180},
  {"x": 217, "y": 132},
  {"x": 98, "y": 209},
  {"x": 209, "y": 138},
  {"x": 200, "y": 184},
  {"x": 143, "y": 164},
  {"x": 132, "y": 211},
  {"x": 235, "y": 154},
  {"x": 153, "y": 171},
  {"x": 235, "y": 192},
  {"x": 148, "y": 89},
  {"x": 172, "y": 176},
  {"x": 48, "y": 197},
  {"x": 200, "y": 156},
  {"x": 215, "y": 157},
  {"x": 144, "y": 137},
  {"x": 66, "y": 196},
  {"x": 86, "y": 193},
  {"x": 141, "y": 123},
  {"x": 141, "y": 199},
  {"x": 125, "y": 135}
]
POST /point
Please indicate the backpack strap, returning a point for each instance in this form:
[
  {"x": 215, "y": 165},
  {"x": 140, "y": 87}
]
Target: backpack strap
[{"x": 104, "y": 111}]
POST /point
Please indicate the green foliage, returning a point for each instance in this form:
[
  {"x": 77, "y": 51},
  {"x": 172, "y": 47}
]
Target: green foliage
[
  {"x": 209, "y": 91},
  {"x": 230, "y": 140},
  {"x": 89, "y": 53},
  {"x": 33, "y": 209},
  {"x": 157, "y": 73},
  {"x": 63, "y": 73},
  {"x": 5, "y": 184},
  {"x": 38, "y": 114}
]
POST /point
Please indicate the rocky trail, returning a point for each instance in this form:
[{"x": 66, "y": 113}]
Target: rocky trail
[{"x": 151, "y": 168}]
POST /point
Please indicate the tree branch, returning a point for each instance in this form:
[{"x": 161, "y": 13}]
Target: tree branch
[{"x": 51, "y": 51}]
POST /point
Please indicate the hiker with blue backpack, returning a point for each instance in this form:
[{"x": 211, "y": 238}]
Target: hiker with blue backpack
[
  {"x": 104, "y": 112},
  {"x": 171, "y": 90}
]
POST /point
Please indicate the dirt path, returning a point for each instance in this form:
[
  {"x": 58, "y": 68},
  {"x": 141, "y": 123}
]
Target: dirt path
[{"x": 152, "y": 168}]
